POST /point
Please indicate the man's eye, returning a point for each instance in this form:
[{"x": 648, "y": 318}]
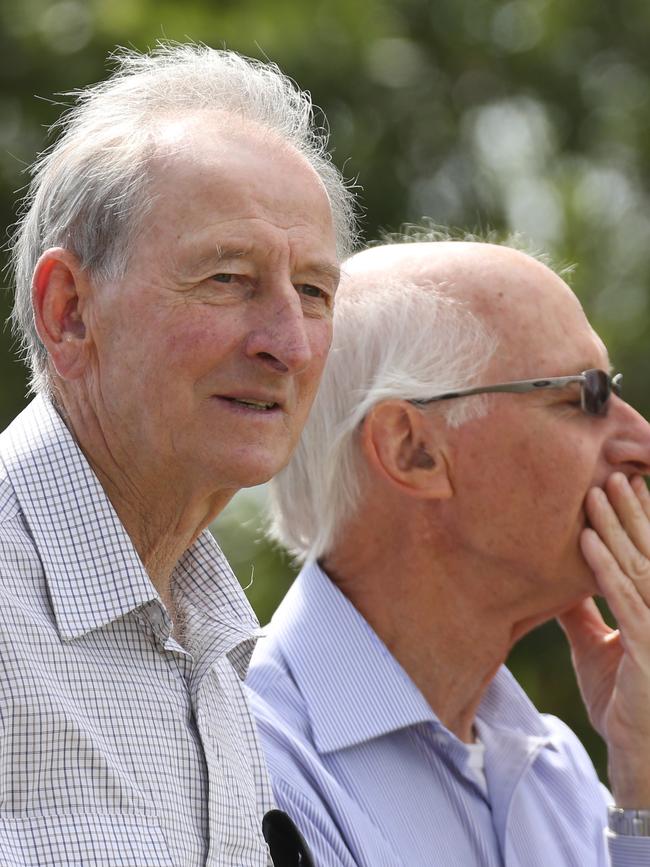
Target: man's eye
[
  {"x": 311, "y": 291},
  {"x": 222, "y": 278}
]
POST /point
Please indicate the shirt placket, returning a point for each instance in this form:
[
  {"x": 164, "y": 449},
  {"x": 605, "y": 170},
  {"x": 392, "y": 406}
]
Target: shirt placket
[{"x": 235, "y": 830}]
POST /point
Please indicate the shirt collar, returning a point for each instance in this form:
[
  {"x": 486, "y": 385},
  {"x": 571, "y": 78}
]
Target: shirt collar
[
  {"x": 339, "y": 662},
  {"x": 93, "y": 572},
  {"x": 217, "y": 611},
  {"x": 341, "y": 667}
]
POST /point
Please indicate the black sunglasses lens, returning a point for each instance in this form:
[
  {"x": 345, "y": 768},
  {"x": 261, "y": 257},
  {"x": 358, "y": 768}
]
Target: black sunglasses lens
[{"x": 596, "y": 390}]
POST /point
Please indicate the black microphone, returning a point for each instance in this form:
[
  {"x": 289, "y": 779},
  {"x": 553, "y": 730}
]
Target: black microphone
[{"x": 287, "y": 845}]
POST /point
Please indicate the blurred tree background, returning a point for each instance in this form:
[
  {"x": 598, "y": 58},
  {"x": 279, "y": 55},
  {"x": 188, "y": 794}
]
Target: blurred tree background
[{"x": 530, "y": 115}]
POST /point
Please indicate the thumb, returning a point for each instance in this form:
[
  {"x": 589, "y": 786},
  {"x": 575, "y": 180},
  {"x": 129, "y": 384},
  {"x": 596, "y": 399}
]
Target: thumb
[{"x": 584, "y": 627}]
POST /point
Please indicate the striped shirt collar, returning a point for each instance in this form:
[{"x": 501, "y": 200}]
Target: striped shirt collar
[
  {"x": 338, "y": 661},
  {"x": 93, "y": 572}
]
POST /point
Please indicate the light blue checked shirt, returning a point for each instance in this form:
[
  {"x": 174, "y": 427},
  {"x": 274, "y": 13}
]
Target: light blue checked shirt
[
  {"x": 372, "y": 777},
  {"x": 118, "y": 747}
]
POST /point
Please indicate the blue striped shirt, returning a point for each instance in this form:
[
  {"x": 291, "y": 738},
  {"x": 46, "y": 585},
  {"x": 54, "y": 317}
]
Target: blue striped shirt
[{"x": 372, "y": 777}]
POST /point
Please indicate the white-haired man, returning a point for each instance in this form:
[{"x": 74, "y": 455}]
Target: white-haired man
[
  {"x": 175, "y": 266},
  {"x": 469, "y": 471}
]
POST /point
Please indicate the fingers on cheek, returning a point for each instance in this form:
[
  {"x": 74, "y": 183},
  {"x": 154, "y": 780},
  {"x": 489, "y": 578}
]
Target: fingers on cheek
[
  {"x": 640, "y": 488},
  {"x": 602, "y": 562},
  {"x": 619, "y": 493},
  {"x": 606, "y": 571},
  {"x": 600, "y": 512},
  {"x": 622, "y": 595},
  {"x": 629, "y": 510},
  {"x": 595, "y": 552}
]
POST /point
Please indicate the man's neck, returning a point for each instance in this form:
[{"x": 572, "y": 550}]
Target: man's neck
[
  {"x": 162, "y": 513},
  {"x": 162, "y": 520},
  {"x": 446, "y": 628}
]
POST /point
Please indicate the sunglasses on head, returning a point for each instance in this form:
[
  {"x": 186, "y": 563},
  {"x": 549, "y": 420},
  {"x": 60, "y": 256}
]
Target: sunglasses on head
[{"x": 596, "y": 386}]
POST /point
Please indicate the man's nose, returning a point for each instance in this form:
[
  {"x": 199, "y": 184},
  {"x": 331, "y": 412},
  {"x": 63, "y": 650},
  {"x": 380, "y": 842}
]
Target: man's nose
[
  {"x": 280, "y": 338},
  {"x": 629, "y": 447}
]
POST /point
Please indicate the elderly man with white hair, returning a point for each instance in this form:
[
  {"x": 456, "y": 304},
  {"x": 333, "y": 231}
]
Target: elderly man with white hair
[
  {"x": 469, "y": 471},
  {"x": 176, "y": 264}
]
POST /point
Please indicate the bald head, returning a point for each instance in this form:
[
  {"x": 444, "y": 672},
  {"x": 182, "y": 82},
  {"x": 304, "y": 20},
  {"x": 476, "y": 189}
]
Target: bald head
[
  {"x": 413, "y": 321},
  {"x": 518, "y": 298},
  {"x": 470, "y": 270}
]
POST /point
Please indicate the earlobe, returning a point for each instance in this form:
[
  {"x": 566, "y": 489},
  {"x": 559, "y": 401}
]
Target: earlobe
[
  {"x": 58, "y": 290},
  {"x": 406, "y": 448}
]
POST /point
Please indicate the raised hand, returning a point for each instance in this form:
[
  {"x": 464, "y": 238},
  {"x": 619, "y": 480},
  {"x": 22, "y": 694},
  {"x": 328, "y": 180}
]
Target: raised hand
[{"x": 613, "y": 666}]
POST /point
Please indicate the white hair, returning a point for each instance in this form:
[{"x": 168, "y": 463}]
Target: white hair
[
  {"x": 391, "y": 340},
  {"x": 89, "y": 190}
]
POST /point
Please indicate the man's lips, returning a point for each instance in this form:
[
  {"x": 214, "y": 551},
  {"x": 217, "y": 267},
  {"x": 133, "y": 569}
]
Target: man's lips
[{"x": 256, "y": 403}]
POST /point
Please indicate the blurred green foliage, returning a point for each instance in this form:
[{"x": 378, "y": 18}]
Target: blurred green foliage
[{"x": 530, "y": 115}]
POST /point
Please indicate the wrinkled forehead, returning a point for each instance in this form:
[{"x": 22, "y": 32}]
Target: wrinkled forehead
[{"x": 196, "y": 146}]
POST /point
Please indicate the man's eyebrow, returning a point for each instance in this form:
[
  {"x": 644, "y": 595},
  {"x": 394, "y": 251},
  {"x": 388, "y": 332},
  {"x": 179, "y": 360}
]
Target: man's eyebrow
[
  {"x": 216, "y": 256},
  {"x": 226, "y": 254},
  {"x": 326, "y": 269}
]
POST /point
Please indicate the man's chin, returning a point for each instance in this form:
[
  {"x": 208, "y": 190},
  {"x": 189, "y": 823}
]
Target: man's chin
[{"x": 259, "y": 470}]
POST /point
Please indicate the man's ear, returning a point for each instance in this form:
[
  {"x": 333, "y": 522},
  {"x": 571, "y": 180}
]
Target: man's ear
[
  {"x": 59, "y": 290},
  {"x": 407, "y": 447}
]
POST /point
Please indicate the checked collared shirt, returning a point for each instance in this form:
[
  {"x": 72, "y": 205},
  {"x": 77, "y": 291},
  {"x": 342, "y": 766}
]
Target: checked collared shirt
[{"x": 118, "y": 747}]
